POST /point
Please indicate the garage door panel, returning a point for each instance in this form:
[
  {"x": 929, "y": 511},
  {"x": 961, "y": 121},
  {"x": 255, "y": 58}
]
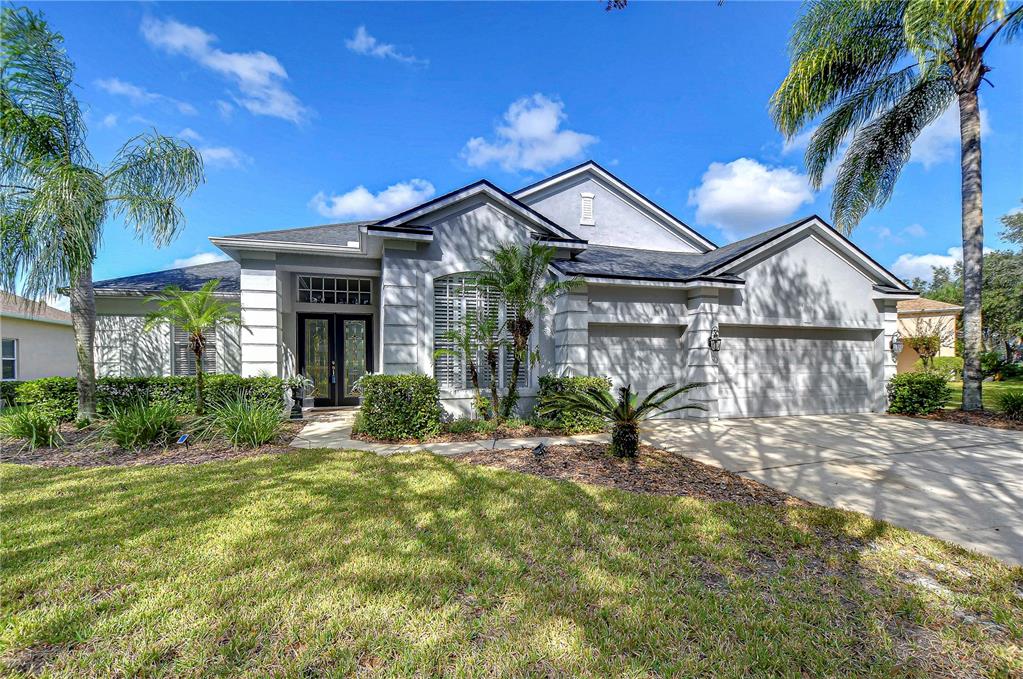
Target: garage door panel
[
  {"x": 790, "y": 371},
  {"x": 645, "y": 356}
]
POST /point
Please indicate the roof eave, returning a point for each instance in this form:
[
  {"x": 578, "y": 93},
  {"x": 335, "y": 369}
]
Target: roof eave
[{"x": 228, "y": 243}]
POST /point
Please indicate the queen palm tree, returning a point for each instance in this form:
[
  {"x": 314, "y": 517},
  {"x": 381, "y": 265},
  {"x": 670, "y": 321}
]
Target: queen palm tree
[
  {"x": 883, "y": 71},
  {"x": 520, "y": 274},
  {"x": 196, "y": 313},
  {"x": 55, "y": 199}
]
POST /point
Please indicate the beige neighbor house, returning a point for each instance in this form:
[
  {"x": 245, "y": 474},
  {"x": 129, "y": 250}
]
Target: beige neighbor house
[
  {"x": 922, "y": 316},
  {"x": 37, "y": 340}
]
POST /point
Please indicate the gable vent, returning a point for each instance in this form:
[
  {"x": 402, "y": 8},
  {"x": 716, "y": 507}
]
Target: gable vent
[{"x": 586, "y": 212}]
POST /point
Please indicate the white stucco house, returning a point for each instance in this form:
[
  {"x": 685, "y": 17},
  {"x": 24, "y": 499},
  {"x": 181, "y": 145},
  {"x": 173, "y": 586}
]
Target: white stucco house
[
  {"x": 36, "y": 340},
  {"x": 805, "y": 318}
]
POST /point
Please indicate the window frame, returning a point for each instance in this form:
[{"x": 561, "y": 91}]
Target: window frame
[
  {"x": 13, "y": 359},
  {"x": 364, "y": 289}
]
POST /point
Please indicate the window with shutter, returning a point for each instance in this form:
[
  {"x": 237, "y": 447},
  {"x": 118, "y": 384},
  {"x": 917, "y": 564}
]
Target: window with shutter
[
  {"x": 456, "y": 297},
  {"x": 184, "y": 361}
]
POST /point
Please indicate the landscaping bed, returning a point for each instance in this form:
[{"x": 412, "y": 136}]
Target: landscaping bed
[
  {"x": 653, "y": 471},
  {"x": 512, "y": 429},
  {"x": 85, "y": 448},
  {"x": 983, "y": 418}
]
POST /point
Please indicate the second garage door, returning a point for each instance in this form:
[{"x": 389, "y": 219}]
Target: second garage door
[
  {"x": 645, "y": 356},
  {"x": 796, "y": 371}
]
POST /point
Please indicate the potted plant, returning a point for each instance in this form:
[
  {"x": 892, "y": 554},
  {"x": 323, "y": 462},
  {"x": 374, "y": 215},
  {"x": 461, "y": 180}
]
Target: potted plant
[{"x": 301, "y": 388}]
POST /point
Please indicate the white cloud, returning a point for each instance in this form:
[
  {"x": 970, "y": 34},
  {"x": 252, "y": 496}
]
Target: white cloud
[
  {"x": 909, "y": 266},
  {"x": 743, "y": 197},
  {"x": 223, "y": 156},
  {"x": 190, "y": 134},
  {"x": 362, "y": 42},
  {"x": 259, "y": 76},
  {"x": 225, "y": 109},
  {"x": 360, "y": 203},
  {"x": 61, "y": 302},
  {"x": 200, "y": 258},
  {"x": 915, "y": 231},
  {"x": 530, "y": 138},
  {"x": 939, "y": 141},
  {"x": 109, "y": 120},
  {"x": 799, "y": 142},
  {"x": 139, "y": 96}
]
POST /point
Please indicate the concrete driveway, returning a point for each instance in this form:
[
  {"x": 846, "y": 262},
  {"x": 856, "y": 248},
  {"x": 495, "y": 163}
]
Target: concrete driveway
[{"x": 956, "y": 482}]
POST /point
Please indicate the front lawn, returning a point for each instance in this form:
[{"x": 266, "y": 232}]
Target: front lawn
[
  {"x": 989, "y": 393},
  {"x": 321, "y": 563}
]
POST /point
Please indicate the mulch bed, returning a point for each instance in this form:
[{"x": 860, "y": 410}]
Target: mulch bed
[
  {"x": 82, "y": 448},
  {"x": 654, "y": 471},
  {"x": 984, "y": 418}
]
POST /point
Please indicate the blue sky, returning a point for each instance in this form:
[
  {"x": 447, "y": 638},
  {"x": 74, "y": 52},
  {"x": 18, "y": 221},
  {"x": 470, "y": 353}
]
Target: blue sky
[{"x": 310, "y": 113}]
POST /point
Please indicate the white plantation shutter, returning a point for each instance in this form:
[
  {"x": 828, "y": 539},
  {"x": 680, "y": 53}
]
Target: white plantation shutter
[
  {"x": 455, "y": 297},
  {"x": 183, "y": 359}
]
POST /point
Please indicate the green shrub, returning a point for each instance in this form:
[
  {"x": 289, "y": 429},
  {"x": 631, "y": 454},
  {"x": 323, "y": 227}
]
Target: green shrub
[
  {"x": 949, "y": 366},
  {"x": 8, "y": 393},
  {"x": 469, "y": 425},
  {"x": 245, "y": 422},
  {"x": 552, "y": 388},
  {"x": 917, "y": 393},
  {"x": 58, "y": 396},
  {"x": 1011, "y": 404},
  {"x": 991, "y": 362},
  {"x": 141, "y": 424},
  {"x": 35, "y": 427},
  {"x": 397, "y": 407}
]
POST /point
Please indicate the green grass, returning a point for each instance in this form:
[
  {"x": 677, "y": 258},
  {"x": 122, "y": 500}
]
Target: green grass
[
  {"x": 327, "y": 563},
  {"x": 989, "y": 393}
]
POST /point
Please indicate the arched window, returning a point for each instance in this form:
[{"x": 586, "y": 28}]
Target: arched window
[{"x": 454, "y": 298}]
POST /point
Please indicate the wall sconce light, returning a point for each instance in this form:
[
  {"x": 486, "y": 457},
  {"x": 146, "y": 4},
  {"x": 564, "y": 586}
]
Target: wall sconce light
[
  {"x": 896, "y": 344},
  {"x": 715, "y": 340}
]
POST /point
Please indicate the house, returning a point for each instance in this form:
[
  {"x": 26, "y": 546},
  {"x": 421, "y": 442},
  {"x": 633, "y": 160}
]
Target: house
[
  {"x": 37, "y": 340},
  {"x": 793, "y": 320},
  {"x": 922, "y": 316}
]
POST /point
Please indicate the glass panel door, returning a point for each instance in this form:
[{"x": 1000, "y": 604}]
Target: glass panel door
[
  {"x": 355, "y": 333},
  {"x": 316, "y": 352}
]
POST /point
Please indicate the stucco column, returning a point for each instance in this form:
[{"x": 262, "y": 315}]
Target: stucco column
[
  {"x": 701, "y": 362},
  {"x": 889, "y": 361},
  {"x": 260, "y": 310},
  {"x": 571, "y": 333}
]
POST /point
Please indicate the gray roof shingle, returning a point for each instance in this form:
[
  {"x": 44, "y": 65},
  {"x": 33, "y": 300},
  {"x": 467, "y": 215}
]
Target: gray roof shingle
[
  {"x": 324, "y": 234},
  {"x": 187, "y": 278}
]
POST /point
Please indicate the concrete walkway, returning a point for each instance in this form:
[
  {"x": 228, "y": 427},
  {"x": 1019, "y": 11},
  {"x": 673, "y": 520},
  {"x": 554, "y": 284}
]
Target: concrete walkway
[{"x": 956, "y": 482}]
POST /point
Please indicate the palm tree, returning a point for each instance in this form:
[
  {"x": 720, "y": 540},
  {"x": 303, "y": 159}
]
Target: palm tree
[
  {"x": 196, "y": 313},
  {"x": 55, "y": 198},
  {"x": 476, "y": 335},
  {"x": 625, "y": 414},
  {"x": 883, "y": 71},
  {"x": 520, "y": 274}
]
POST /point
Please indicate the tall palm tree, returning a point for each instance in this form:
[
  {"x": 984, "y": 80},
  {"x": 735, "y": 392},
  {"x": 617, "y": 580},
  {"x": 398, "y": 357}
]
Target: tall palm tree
[
  {"x": 883, "y": 71},
  {"x": 474, "y": 336},
  {"x": 55, "y": 199},
  {"x": 520, "y": 274},
  {"x": 196, "y": 313}
]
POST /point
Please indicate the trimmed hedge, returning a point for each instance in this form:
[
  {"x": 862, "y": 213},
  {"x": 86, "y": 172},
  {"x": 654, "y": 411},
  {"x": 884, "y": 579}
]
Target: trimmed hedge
[
  {"x": 58, "y": 396},
  {"x": 8, "y": 393},
  {"x": 917, "y": 393},
  {"x": 570, "y": 422},
  {"x": 949, "y": 366},
  {"x": 398, "y": 407}
]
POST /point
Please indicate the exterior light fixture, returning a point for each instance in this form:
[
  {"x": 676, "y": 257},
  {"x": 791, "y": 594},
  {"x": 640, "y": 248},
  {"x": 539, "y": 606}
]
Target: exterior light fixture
[
  {"x": 896, "y": 344},
  {"x": 715, "y": 340}
]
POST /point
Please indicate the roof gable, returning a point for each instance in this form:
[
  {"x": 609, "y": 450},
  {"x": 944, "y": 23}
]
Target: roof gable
[
  {"x": 189, "y": 278},
  {"x": 564, "y": 181}
]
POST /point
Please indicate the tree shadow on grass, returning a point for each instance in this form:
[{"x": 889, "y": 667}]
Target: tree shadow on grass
[{"x": 332, "y": 562}]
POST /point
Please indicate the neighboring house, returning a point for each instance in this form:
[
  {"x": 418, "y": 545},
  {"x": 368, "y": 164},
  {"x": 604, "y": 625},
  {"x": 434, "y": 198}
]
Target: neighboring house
[
  {"x": 922, "y": 316},
  {"x": 805, "y": 318},
  {"x": 37, "y": 340}
]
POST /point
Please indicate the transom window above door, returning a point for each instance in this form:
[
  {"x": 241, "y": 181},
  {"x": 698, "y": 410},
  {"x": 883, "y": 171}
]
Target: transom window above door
[{"x": 331, "y": 290}]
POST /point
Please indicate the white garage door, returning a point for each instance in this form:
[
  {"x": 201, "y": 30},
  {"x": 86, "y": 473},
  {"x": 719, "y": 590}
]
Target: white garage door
[
  {"x": 796, "y": 371},
  {"x": 645, "y": 356}
]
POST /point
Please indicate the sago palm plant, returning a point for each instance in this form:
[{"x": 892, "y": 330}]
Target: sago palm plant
[
  {"x": 196, "y": 313},
  {"x": 625, "y": 413},
  {"x": 880, "y": 72},
  {"x": 55, "y": 198}
]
